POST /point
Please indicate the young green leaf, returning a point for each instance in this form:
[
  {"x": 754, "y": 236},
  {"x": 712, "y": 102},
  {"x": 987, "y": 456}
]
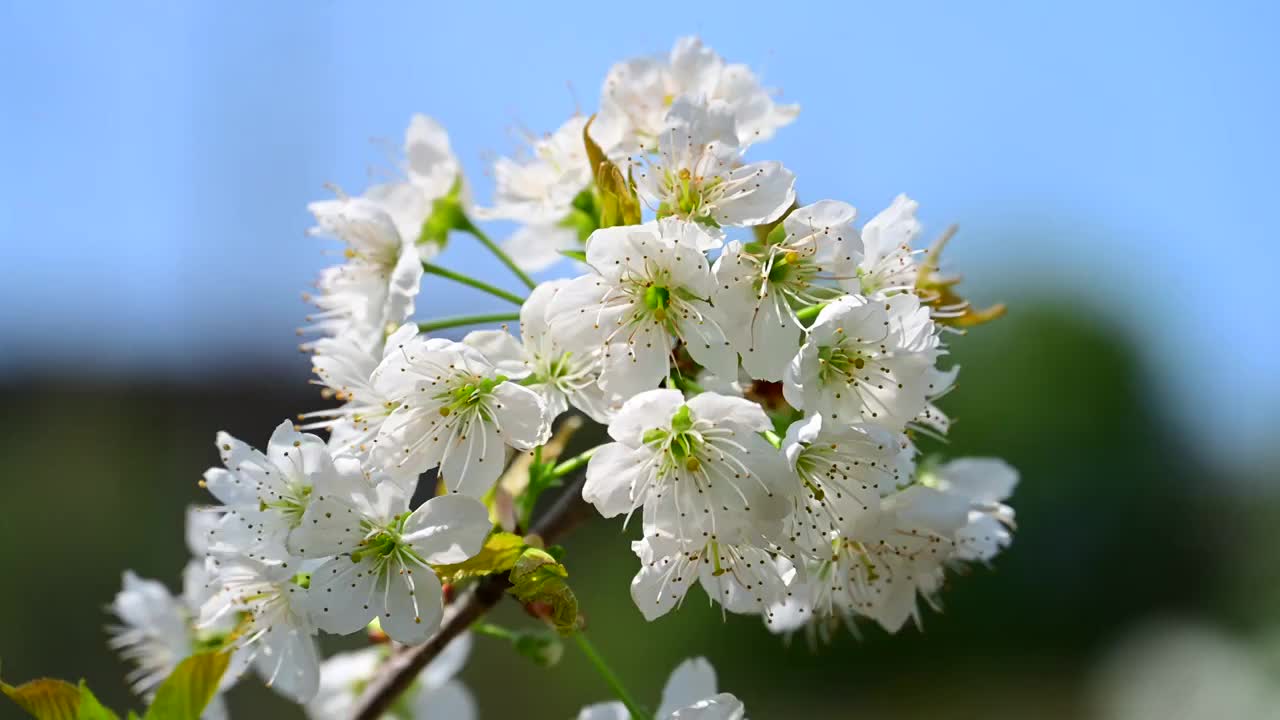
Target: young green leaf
[
  {"x": 186, "y": 692},
  {"x": 46, "y": 698},
  {"x": 91, "y": 709},
  {"x": 499, "y": 554},
  {"x": 538, "y": 580}
]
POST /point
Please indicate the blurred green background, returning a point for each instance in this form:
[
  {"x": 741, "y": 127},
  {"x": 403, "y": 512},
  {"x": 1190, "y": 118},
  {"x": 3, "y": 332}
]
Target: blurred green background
[{"x": 1112, "y": 166}]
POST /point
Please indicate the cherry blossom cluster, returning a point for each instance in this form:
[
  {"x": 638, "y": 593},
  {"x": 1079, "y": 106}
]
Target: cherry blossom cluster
[{"x": 765, "y": 368}]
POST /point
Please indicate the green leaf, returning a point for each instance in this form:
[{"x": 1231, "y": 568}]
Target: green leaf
[
  {"x": 538, "y": 580},
  {"x": 185, "y": 693},
  {"x": 90, "y": 708},
  {"x": 499, "y": 554},
  {"x": 46, "y": 698},
  {"x": 619, "y": 204},
  {"x": 575, "y": 254}
]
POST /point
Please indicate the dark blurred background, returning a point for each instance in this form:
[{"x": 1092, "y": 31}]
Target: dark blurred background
[{"x": 1110, "y": 169}]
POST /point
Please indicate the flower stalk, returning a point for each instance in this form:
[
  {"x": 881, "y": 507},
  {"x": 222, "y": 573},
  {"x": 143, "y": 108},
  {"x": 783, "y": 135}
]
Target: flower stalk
[
  {"x": 472, "y": 282},
  {"x": 610, "y": 678},
  {"x": 465, "y": 320}
]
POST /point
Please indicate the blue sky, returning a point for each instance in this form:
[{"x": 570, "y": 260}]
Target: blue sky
[{"x": 156, "y": 158}]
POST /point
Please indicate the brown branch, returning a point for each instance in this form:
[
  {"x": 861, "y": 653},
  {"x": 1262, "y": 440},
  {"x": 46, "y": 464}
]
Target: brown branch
[{"x": 399, "y": 672}]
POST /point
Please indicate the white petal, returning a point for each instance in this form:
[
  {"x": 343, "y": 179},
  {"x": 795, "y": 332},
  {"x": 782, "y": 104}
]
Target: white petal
[
  {"x": 537, "y": 247},
  {"x": 448, "y": 529},
  {"x": 981, "y": 480},
  {"x": 405, "y": 282},
  {"x": 578, "y": 322},
  {"x": 982, "y": 539},
  {"x": 473, "y": 458},
  {"x": 695, "y": 69},
  {"x": 664, "y": 578},
  {"x": 755, "y": 194},
  {"x": 721, "y": 707},
  {"x": 342, "y": 593},
  {"x": 643, "y": 412},
  {"x": 705, "y": 339},
  {"x": 534, "y": 319},
  {"x": 720, "y": 409},
  {"x": 637, "y": 365},
  {"x": 451, "y": 700},
  {"x": 413, "y": 606},
  {"x": 200, "y": 522},
  {"x": 289, "y": 663},
  {"x": 429, "y": 159},
  {"x": 502, "y": 350},
  {"x": 919, "y": 506},
  {"x": 611, "y": 475},
  {"x": 605, "y": 711},
  {"x": 329, "y": 526},
  {"x": 691, "y": 681},
  {"x": 774, "y": 337},
  {"x": 298, "y": 455},
  {"x": 521, "y": 416}
]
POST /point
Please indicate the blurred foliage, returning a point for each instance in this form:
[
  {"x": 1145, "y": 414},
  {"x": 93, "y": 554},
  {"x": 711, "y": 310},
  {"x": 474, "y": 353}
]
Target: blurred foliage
[{"x": 1119, "y": 519}]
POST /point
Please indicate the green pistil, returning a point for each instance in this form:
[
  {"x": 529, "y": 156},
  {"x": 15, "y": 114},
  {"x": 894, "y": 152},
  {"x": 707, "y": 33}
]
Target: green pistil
[
  {"x": 690, "y": 197},
  {"x": 681, "y": 444},
  {"x": 714, "y": 549},
  {"x": 469, "y": 396},
  {"x": 780, "y": 271},
  {"x": 387, "y": 544},
  {"x": 657, "y": 297},
  {"x": 838, "y": 361},
  {"x": 292, "y": 506}
]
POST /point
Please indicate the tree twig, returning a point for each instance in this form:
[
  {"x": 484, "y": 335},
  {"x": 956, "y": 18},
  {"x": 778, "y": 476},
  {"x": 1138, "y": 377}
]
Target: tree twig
[{"x": 402, "y": 668}]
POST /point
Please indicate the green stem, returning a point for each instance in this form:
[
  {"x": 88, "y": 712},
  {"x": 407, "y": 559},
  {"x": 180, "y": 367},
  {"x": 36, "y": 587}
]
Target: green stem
[
  {"x": 472, "y": 282},
  {"x": 467, "y": 320},
  {"x": 505, "y": 258},
  {"x": 495, "y": 631},
  {"x": 807, "y": 315},
  {"x": 610, "y": 678},
  {"x": 573, "y": 464}
]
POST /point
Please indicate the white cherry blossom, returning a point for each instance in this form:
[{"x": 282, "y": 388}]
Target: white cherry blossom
[
  {"x": 889, "y": 263},
  {"x": 932, "y": 420},
  {"x": 434, "y": 695},
  {"x": 637, "y": 94},
  {"x": 266, "y": 494},
  {"x": 650, "y": 285},
  {"x": 426, "y": 172},
  {"x": 279, "y": 634},
  {"x": 843, "y": 470},
  {"x": 344, "y": 367},
  {"x": 738, "y": 570},
  {"x": 455, "y": 410},
  {"x": 157, "y": 630},
  {"x": 377, "y": 284},
  {"x": 866, "y": 360},
  {"x": 879, "y": 571},
  {"x": 986, "y": 483},
  {"x": 383, "y": 555},
  {"x": 698, "y": 174},
  {"x": 690, "y": 694},
  {"x": 539, "y": 193},
  {"x": 561, "y": 377},
  {"x": 699, "y": 469},
  {"x": 760, "y": 285}
]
